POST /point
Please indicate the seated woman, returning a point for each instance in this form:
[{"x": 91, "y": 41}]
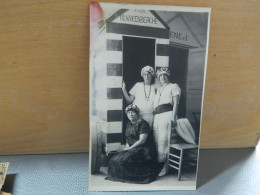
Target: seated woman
[{"x": 135, "y": 163}]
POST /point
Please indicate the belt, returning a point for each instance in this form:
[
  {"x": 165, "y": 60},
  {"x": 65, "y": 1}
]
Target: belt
[{"x": 163, "y": 108}]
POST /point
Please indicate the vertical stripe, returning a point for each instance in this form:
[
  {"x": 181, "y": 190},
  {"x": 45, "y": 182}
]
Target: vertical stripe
[
  {"x": 162, "y": 61},
  {"x": 114, "y": 127},
  {"x": 114, "y": 57},
  {"x": 115, "y": 104},
  {"x": 114, "y": 93},
  {"x": 113, "y": 147},
  {"x": 114, "y": 36},
  {"x": 162, "y": 50},
  {"x": 114, "y": 137},
  {"x": 114, "y": 115},
  {"x": 114, "y": 45},
  {"x": 114, "y": 69},
  {"x": 162, "y": 41},
  {"x": 114, "y": 81}
]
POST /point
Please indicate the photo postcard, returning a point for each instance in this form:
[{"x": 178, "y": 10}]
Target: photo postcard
[{"x": 147, "y": 78}]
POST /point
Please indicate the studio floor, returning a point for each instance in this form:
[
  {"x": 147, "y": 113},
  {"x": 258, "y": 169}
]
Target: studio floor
[
  {"x": 188, "y": 181},
  {"x": 221, "y": 171}
]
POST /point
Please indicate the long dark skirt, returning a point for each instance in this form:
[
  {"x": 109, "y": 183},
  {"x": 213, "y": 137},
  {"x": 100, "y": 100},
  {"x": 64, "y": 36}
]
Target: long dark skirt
[{"x": 132, "y": 166}]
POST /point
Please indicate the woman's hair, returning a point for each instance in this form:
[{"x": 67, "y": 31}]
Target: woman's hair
[{"x": 132, "y": 107}]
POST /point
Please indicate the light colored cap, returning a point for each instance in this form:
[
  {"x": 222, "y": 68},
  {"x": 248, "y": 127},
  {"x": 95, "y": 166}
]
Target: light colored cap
[
  {"x": 132, "y": 107},
  {"x": 147, "y": 69},
  {"x": 163, "y": 70}
]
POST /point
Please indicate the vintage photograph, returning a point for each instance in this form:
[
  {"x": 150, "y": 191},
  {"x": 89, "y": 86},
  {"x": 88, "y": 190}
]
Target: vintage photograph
[{"x": 147, "y": 77}]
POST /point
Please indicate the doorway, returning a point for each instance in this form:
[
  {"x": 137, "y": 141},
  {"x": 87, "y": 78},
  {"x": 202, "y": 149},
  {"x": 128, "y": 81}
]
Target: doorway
[
  {"x": 178, "y": 65},
  {"x": 137, "y": 53}
]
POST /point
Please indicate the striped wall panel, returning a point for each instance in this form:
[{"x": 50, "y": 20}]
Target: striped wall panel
[
  {"x": 162, "y": 61},
  {"x": 110, "y": 104},
  {"x": 114, "y": 36},
  {"x": 114, "y": 138},
  {"x": 163, "y": 41},
  {"x": 114, "y": 115},
  {"x": 162, "y": 50},
  {"x": 114, "y": 45},
  {"x": 162, "y": 53},
  {"x": 113, "y": 147},
  {"x": 114, "y": 70},
  {"x": 114, "y": 82},
  {"x": 114, "y": 104},
  {"x": 114, "y": 57},
  {"x": 114, "y": 93},
  {"x": 113, "y": 127},
  {"x": 109, "y": 138}
]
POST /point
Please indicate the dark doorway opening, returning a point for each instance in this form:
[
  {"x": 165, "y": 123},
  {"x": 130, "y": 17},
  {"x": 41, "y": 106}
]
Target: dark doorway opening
[
  {"x": 178, "y": 64},
  {"x": 137, "y": 53}
]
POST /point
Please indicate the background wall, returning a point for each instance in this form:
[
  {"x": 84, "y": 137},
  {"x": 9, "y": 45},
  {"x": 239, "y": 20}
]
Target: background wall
[
  {"x": 44, "y": 75},
  {"x": 188, "y": 42}
]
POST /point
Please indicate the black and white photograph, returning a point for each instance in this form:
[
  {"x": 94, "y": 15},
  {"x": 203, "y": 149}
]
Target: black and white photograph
[{"x": 147, "y": 78}]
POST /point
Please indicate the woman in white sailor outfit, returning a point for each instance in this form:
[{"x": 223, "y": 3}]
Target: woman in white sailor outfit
[
  {"x": 142, "y": 94},
  {"x": 165, "y": 108}
]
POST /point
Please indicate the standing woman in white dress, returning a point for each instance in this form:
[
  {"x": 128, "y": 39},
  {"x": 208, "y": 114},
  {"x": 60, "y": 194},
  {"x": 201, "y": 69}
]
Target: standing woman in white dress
[
  {"x": 142, "y": 94},
  {"x": 165, "y": 108}
]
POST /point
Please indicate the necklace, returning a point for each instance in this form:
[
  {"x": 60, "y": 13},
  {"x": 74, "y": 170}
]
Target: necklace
[
  {"x": 160, "y": 92},
  {"x": 147, "y": 97}
]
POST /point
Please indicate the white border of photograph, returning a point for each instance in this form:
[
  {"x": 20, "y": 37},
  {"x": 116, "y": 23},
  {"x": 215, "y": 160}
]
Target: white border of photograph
[{"x": 96, "y": 184}]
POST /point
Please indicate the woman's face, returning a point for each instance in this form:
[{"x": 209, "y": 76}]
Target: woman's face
[
  {"x": 147, "y": 77},
  {"x": 132, "y": 116},
  {"x": 164, "y": 78}
]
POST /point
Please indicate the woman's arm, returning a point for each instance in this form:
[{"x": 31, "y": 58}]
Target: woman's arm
[
  {"x": 175, "y": 108},
  {"x": 141, "y": 141},
  {"x": 129, "y": 98}
]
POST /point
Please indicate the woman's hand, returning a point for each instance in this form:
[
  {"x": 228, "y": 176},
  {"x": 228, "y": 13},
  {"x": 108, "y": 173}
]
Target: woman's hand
[
  {"x": 174, "y": 122},
  {"x": 126, "y": 148},
  {"x": 141, "y": 141},
  {"x": 175, "y": 105},
  {"x": 129, "y": 98},
  {"x": 123, "y": 85}
]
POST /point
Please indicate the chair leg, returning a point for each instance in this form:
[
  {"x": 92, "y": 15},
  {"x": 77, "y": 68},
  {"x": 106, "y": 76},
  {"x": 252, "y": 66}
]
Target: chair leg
[
  {"x": 180, "y": 165},
  {"x": 167, "y": 164},
  {"x": 168, "y": 152}
]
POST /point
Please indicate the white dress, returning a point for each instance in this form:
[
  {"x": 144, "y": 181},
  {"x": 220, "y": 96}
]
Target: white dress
[
  {"x": 144, "y": 99},
  {"x": 163, "y": 121}
]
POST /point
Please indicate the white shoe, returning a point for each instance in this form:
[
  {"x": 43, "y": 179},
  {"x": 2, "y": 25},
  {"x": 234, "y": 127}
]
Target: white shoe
[{"x": 163, "y": 171}]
